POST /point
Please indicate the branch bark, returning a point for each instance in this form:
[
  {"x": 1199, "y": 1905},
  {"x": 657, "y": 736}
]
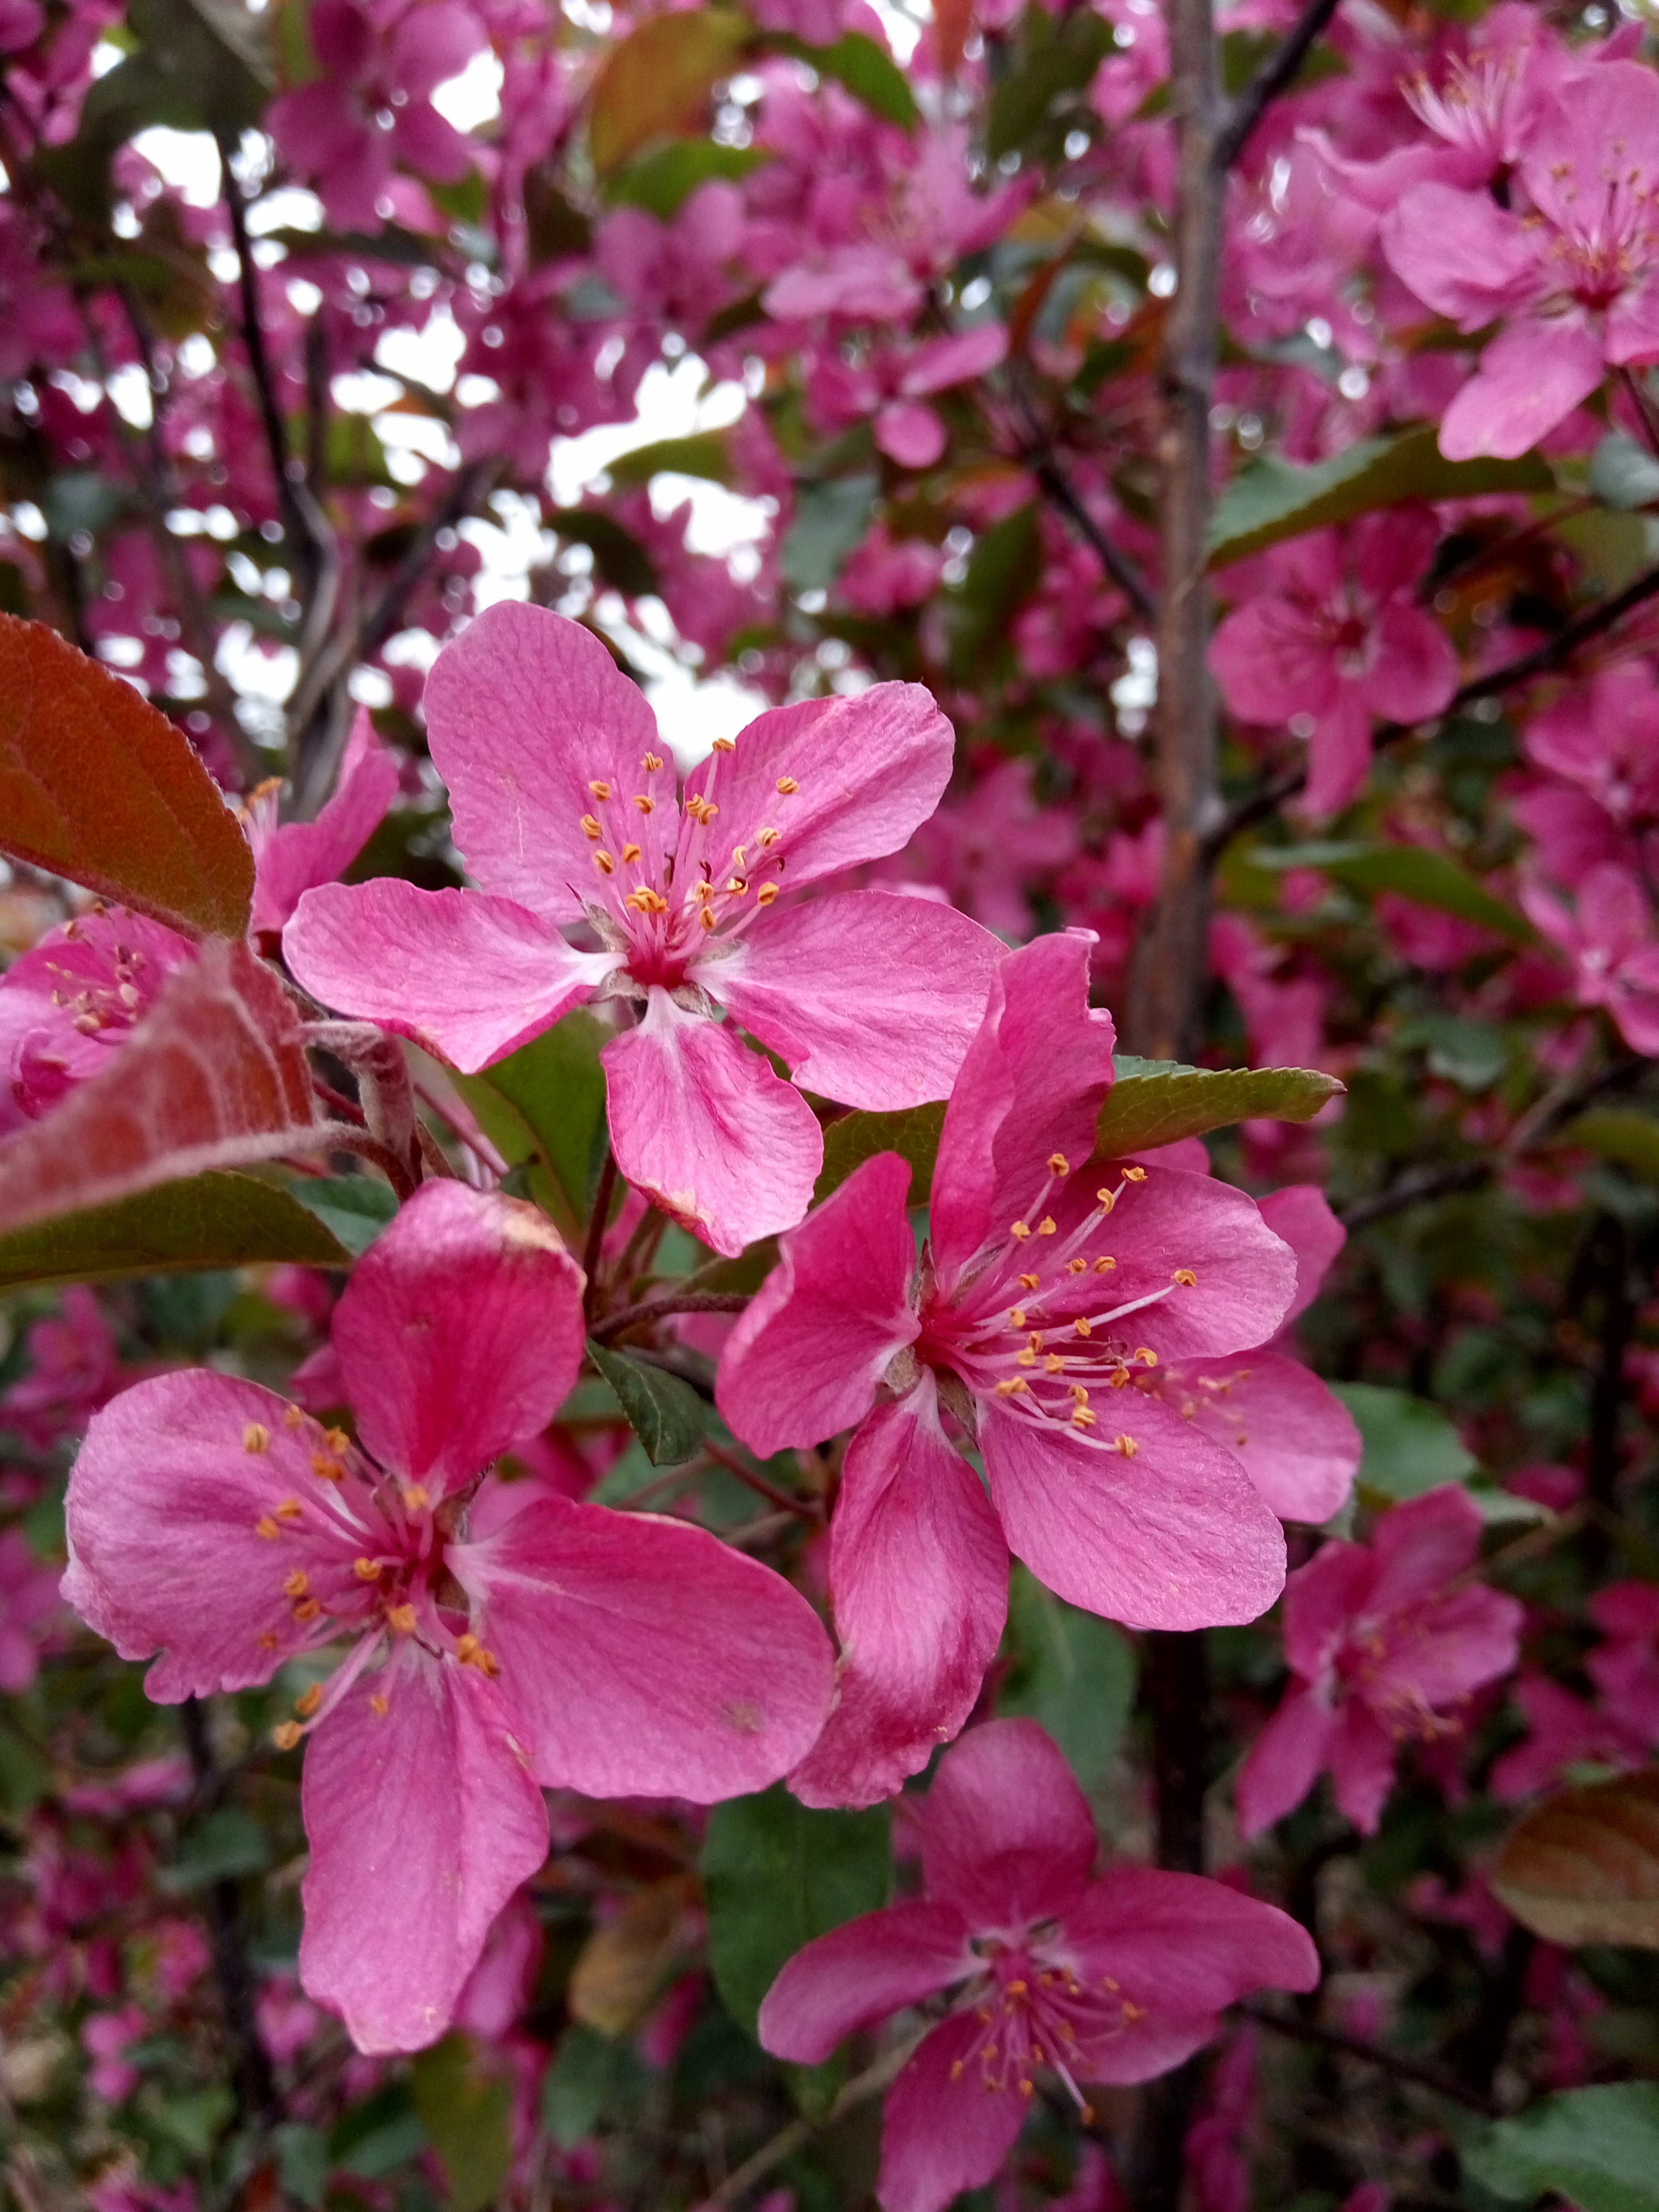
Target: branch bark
[
  {"x": 1421, "y": 2071},
  {"x": 256, "y": 2091},
  {"x": 1275, "y": 75}
]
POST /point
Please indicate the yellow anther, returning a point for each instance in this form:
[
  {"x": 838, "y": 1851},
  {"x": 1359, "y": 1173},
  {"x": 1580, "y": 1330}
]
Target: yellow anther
[
  {"x": 1076, "y": 1266},
  {"x": 1119, "y": 1378},
  {"x": 703, "y": 892},
  {"x": 1126, "y": 1445},
  {"x": 402, "y": 1618},
  {"x": 1067, "y": 2032},
  {"x": 367, "y": 1571},
  {"x": 297, "y": 1584},
  {"x": 631, "y": 854},
  {"x": 768, "y": 836},
  {"x": 984, "y": 2013},
  {"x": 1028, "y": 2089},
  {"x": 1035, "y": 1339},
  {"x": 739, "y": 857},
  {"x": 1017, "y": 1317},
  {"x": 707, "y": 917},
  {"x": 1026, "y": 1359},
  {"x": 1047, "y": 1225},
  {"x": 267, "y": 1642},
  {"x": 1145, "y": 1356},
  {"x": 1083, "y": 1325},
  {"x": 599, "y": 788},
  {"x": 379, "y": 1705},
  {"x": 471, "y": 1653},
  {"x": 1133, "y": 2011},
  {"x": 1029, "y": 1282},
  {"x": 604, "y": 863},
  {"x": 416, "y": 1498},
  {"x": 289, "y": 1510},
  {"x": 737, "y": 885},
  {"x": 256, "y": 1437},
  {"x": 766, "y": 894},
  {"x": 1185, "y": 1276},
  {"x": 1016, "y": 1989},
  {"x": 327, "y": 1468},
  {"x": 336, "y": 1440},
  {"x": 1019, "y": 1228},
  {"x": 1104, "y": 1266},
  {"x": 1106, "y": 1199},
  {"x": 1011, "y": 1385},
  {"x": 1082, "y": 1417},
  {"x": 1054, "y": 1364},
  {"x": 725, "y": 744},
  {"x": 306, "y": 1704},
  {"x": 956, "y": 2070},
  {"x": 645, "y": 803},
  {"x": 307, "y": 1610},
  {"x": 1086, "y": 2114},
  {"x": 286, "y": 1735},
  {"x": 701, "y": 810},
  {"x": 653, "y": 762},
  {"x": 1059, "y": 1164},
  {"x": 787, "y": 786},
  {"x": 267, "y": 1529},
  {"x": 1134, "y": 1175},
  {"x": 1079, "y": 1391},
  {"x": 592, "y": 829},
  {"x": 292, "y": 1418}
]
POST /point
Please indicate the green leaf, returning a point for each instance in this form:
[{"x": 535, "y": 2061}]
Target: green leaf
[
  {"x": 1620, "y": 1134},
  {"x": 871, "y": 76},
  {"x": 666, "y": 1413},
  {"x": 578, "y": 2085},
  {"x": 776, "y": 1875},
  {"x": 1598, "y": 2148},
  {"x": 301, "y": 2161},
  {"x": 228, "y": 1844},
  {"x": 654, "y": 82},
  {"x": 830, "y": 519},
  {"x": 353, "y": 1209},
  {"x": 379, "y": 2134},
  {"x": 1410, "y": 1445},
  {"x": 1052, "y": 61},
  {"x": 543, "y": 1106},
  {"x": 1623, "y": 475},
  {"x": 914, "y": 1131},
  {"x": 98, "y": 784},
  {"x": 1071, "y": 1670},
  {"x": 619, "y": 559},
  {"x": 467, "y": 2112},
  {"x": 403, "y": 249},
  {"x": 1271, "y": 499},
  {"x": 1003, "y": 569},
  {"x": 1431, "y": 878},
  {"x": 702, "y": 453},
  {"x": 1472, "y": 1054},
  {"x": 224, "y": 1220},
  {"x": 1154, "y": 1102},
  {"x": 662, "y": 181}
]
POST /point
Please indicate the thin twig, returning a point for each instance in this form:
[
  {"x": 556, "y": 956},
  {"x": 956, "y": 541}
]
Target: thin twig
[
  {"x": 1118, "y": 566},
  {"x": 256, "y": 2091},
  {"x": 1274, "y": 77},
  {"x": 599, "y": 1222},
  {"x": 671, "y": 1302},
  {"x": 1413, "y": 1189},
  {"x": 858, "y": 2091},
  {"x": 1423, "y": 2071},
  {"x": 808, "y": 1509}
]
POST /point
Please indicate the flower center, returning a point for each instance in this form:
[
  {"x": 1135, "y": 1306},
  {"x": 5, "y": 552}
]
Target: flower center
[{"x": 1036, "y": 2011}]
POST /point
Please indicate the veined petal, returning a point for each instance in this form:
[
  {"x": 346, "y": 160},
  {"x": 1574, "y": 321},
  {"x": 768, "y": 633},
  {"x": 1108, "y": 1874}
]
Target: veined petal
[
  {"x": 1173, "y": 1224},
  {"x": 1297, "y": 1441},
  {"x": 194, "y": 1500},
  {"x": 1531, "y": 376},
  {"x": 1178, "y": 1943},
  {"x": 459, "y": 1333},
  {"x": 471, "y": 978},
  {"x": 943, "y": 2129},
  {"x": 300, "y": 855},
  {"x": 525, "y": 713},
  {"x": 422, "y": 1820},
  {"x": 1285, "y": 1761},
  {"x": 918, "y": 1579},
  {"x": 871, "y": 998},
  {"x": 806, "y": 1354},
  {"x": 1171, "y": 1533},
  {"x": 858, "y": 1974},
  {"x": 703, "y": 1127},
  {"x": 645, "y": 1658},
  {"x": 1007, "y": 1836}
]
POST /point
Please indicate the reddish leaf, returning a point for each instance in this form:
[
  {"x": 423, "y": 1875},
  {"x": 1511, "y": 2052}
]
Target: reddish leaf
[
  {"x": 214, "y": 1077},
  {"x": 952, "y": 20},
  {"x": 655, "y": 82},
  {"x": 98, "y": 784},
  {"x": 1585, "y": 1867}
]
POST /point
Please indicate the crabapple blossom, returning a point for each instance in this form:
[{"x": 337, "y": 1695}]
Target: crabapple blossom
[
  {"x": 1608, "y": 935},
  {"x": 1110, "y": 1981},
  {"x": 566, "y": 808},
  {"x": 491, "y": 1649}
]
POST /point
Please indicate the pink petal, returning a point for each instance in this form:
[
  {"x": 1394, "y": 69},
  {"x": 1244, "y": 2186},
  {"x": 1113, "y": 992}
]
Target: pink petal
[
  {"x": 470, "y": 977},
  {"x": 1178, "y": 1223},
  {"x": 866, "y": 771},
  {"x": 1301, "y": 1217},
  {"x": 1338, "y": 754},
  {"x": 422, "y": 1820},
  {"x": 1531, "y": 376},
  {"x": 431, "y": 44},
  {"x": 1007, "y": 1836},
  {"x": 806, "y": 1356},
  {"x": 703, "y": 1127},
  {"x": 1032, "y": 1084},
  {"x": 918, "y": 1577},
  {"x": 1362, "y": 1767},
  {"x": 1446, "y": 1650},
  {"x": 302, "y": 854},
  {"x": 312, "y": 123},
  {"x": 430, "y": 144},
  {"x": 1273, "y": 658},
  {"x": 342, "y": 39},
  {"x": 1285, "y": 1761},
  {"x": 871, "y": 998},
  {"x": 1462, "y": 254},
  {"x": 524, "y": 711},
  {"x": 1179, "y": 1943},
  {"x": 460, "y": 1334},
  {"x": 910, "y": 432},
  {"x": 1296, "y": 1443},
  {"x": 645, "y": 1658},
  {"x": 1416, "y": 670},
  {"x": 944, "y": 2130},
  {"x": 1320, "y": 1600},
  {"x": 1419, "y": 1546},
  {"x": 859, "y": 1974},
  {"x": 173, "y": 1484},
  {"x": 943, "y": 362},
  {"x": 1173, "y": 1537}
]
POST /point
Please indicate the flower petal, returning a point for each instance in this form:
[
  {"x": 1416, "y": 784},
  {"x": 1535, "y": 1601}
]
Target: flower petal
[
  {"x": 1007, "y": 1836},
  {"x": 459, "y": 1333},
  {"x": 471, "y": 978},
  {"x": 943, "y": 2129},
  {"x": 1170, "y": 1535},
  {"x": 703, "y": 1127},
  {"x": 806, "y": 1356},
  {"x": 422, "y": 1820},
  {"x": 1531, "y": 376},
  {"x": 300, "y": 855},
  {"x": 645, "y": 1658},
  {"x": 1285, "y": 1761},
  {"x": 859, "y": 1974},
  {"x": 872, "y": 998},
  {"x": 1301, "y": 1217},
  {"x": 1298, "y": 1443},
  {"x": 919, "y": 1577}
]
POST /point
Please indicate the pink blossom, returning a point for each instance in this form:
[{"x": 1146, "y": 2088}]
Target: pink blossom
[
  {"x": 1112, "y": 1981},
  {"x": 1621, "y": 1729},
  {"x": 74, "y": 1367},
  {"x": 39, "y": 325},
  {"x": 291, "y": 857},
  {"x": 888, "y": 574},
  {"x": 1335, "y": 634},
  {"x": 28, "y": 1600},
  {"x": 890, "y": 385},
  {"x": 214, "y": 1523},
  {"x": 369, "y": 110},
  {"x": 1570, "y": 266},
  {"x": 675, "y": 271},
  {"x": 1608, "y": 936},
  {"x": 1605, "y": 740},
  {"x": 1385, "y": 1641},
  {"x": 564, "y": 804},
  {"x": 105, "y": 2037},
  {"x": 1126, "y": 1267},
  {"x": 74, "y": 999}
]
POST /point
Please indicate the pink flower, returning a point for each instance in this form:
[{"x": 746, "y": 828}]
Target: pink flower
[
  {"x": 1336, "y": 635},
  {"x": 1570, "y": 266},
  {"x": 1046, "y": 1305},
  {"x": 1384, "y": 1641},
  {"x": 214, "y": 1523},
  {"x": 72, "y": 999},
  {"x": 1608, "y": 937},
  {"x": 892, "y": 383},
  {"x": 564, "y": 804},
  {"x": 28, "y": 1600},
  {"x": 105, "y": 2037},
  {"x": 1605, "y": 739},
  {"x": 1111, "y": 1981},
  {"x": 291, "y": 857},
  {"x": 74, "y": 1367},
  {"x": 370, "y": 109},
  {"x": 675, "y": 271}
]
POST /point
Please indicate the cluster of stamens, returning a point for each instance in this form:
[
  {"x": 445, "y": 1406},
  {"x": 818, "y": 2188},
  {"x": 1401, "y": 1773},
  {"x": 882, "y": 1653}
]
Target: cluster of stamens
[
  {"x": 1037, "y": 2012},
  {"x": 97, "y": 1007}
]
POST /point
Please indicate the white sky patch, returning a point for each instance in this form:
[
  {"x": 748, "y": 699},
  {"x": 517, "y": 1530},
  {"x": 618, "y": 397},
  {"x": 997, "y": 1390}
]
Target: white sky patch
[
  {"x": 187, "y": 160},
  {"x": 669, "y": 405},
  {"x": 428, "y": 356},
  {"x": 473, "y": 98}
]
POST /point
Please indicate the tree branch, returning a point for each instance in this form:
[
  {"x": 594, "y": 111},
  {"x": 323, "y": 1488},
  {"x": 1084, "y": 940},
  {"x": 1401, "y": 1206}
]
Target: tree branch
[
  {"x": 858, "y": 2091},
  {"x": 1274, "y": 77},
  {"x": 671, "y": 1302},
  {"x": 256, "y": 2093},
  {"x": 1118, "y": 566},
  {"x": 1422, "y": 2071}
]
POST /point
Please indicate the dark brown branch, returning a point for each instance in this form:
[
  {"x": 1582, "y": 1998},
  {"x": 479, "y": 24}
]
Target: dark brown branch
[
  {"x": 805, "y": 1508},
  {"x": 1118, "y": 566},
  {"x": 1275, "y": 75},
  {"x": 256, "y": 2091},
  {"x": 1422, "y": 2071},
  {"x": 599, "y": 1221},
  {"x": 1415, "y": 1189},
  {"x": 671, "y": 1302}
]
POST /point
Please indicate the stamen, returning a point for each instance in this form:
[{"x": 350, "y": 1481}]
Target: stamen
[
  {"x": 768, "y": 836},
  {"x": 1134, "y": 1175},
  {"x": 1012, "y": 1385},
  {"x": 600, "y": 788},
  {"x": 402, "y": 1618},
  {"x": 653, "y": 762},
  {"x": 367, "y": 1571},
  {"x": 787, "y": 786},
  {"x": 307, "y": 1702},
  {"x": 297, "y": 1584},
  {"x": 292, "y": 1418},
  {"x": 592, "y": 829},
  {"x": 286, "y": 1735},
  {"x": 1059, "y": 1164},
  {"x": 1047, "y": 1226},
  {"x": 379, "y": 1705},
  {"x": 605, "y": 864},
  {"x": 1105, "y": 1266},
  {"x": 646, "y": 803},
  {"x": 631, "y": 854},
  {"x": 416, "y": 1498},
  {"x": 725, "y": 744},
  {"x": 766, "y": 894},
  {"x": 267, "y": 1529},
  {"x": 1029, "y": 1282},
  {"x": 256, "y": 1437},
  {"x": 1186, "y": 1277},
  {"x": 289, "y": 1510},
  {"x": 1019, "y": 1228}
]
